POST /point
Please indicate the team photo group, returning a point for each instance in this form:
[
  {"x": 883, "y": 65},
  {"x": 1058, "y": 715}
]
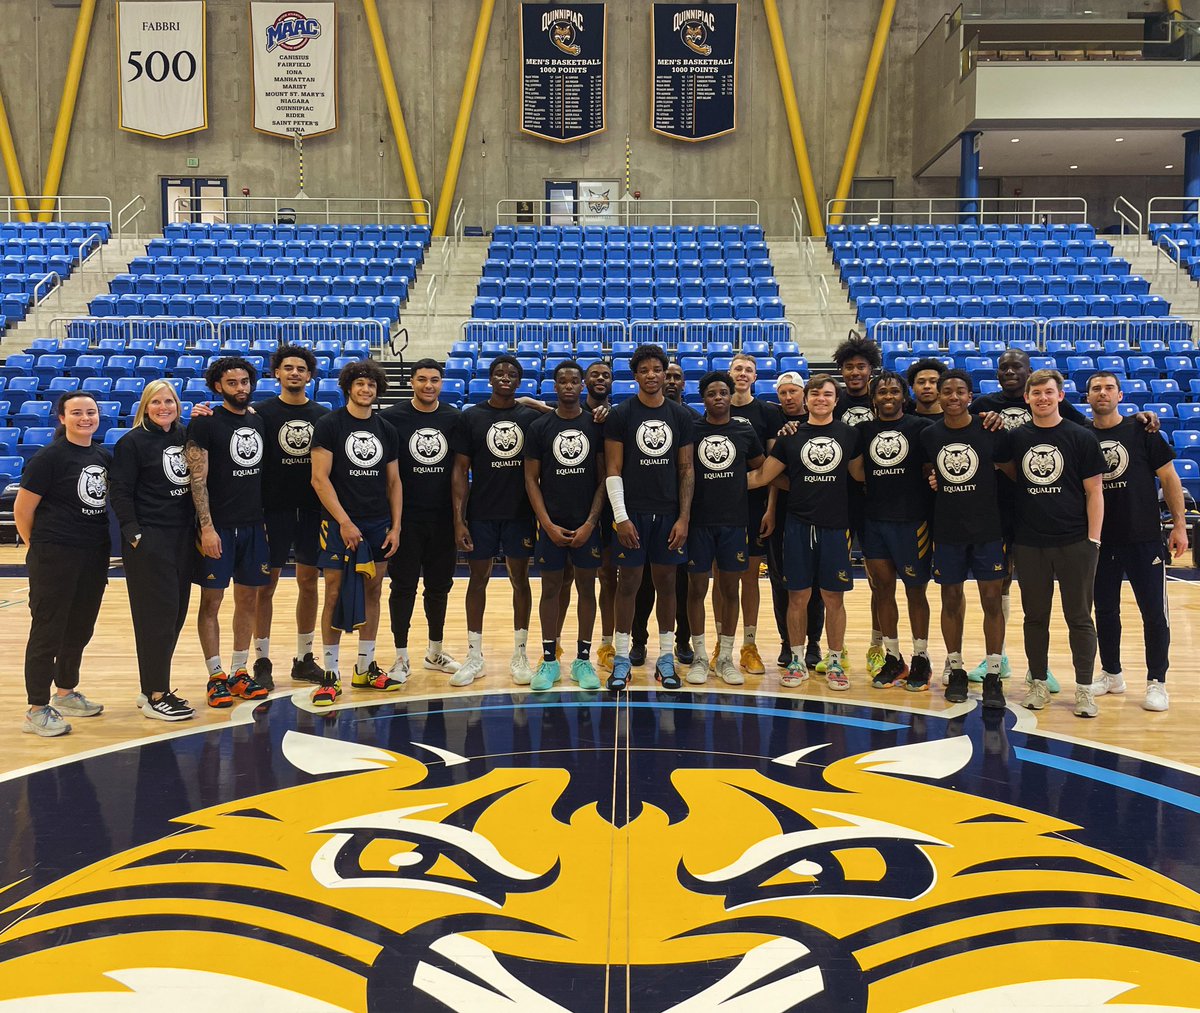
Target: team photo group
[{"x": 649, "y": 505}]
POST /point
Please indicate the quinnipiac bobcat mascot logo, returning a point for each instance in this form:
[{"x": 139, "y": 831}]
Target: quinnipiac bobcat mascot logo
[
  {"x": 693, "y": 35},
  {"x": 92, "y": 486},
  {"x": 1042, "y": 464},
  {"x": 295, "y": 437},
  {"x": 562, "y": 35},
  {"x": 653, "y": 438},
  {"x": 821, "y": 454},
  {"x": 1116, "y": 459},
  {"x": 888, "y": 448},
  {"x": 428, "y": 446},
  {"x": 957, "y": 463},
  {"x": 175, "y": 466},
  {"x": 505, "y": 439},
  {"x": 364, "y": 449},
  {"x": 716, "y": 453},
  {"x": 570, "y": 448},
  {"x": 245, "y": 447},
  {"x": 864, "y": 884}
]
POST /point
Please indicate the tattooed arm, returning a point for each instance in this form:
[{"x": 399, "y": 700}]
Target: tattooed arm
[{"x": 197, "y": 459}]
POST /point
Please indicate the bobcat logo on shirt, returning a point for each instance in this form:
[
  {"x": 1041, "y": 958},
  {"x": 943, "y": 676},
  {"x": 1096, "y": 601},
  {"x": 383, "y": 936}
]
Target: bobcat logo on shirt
[
  {"x": 716, "y": 453},
  {"x": 295, "y": 437},
  {"x": 364, "y": 449},
  {"x": 857, "y": 415},
  {"x": 957, "y": 462},
  {"x": 654, "y": 438},
  {"x": 505, "y": 439},
  {"x": 1042, "y": 465},
  {"x": 821, "y": 454},
  {"x": 1116, "y": 459},
  {"x": 175, "y": 466},
  {"x": 246, "y": 447},
  {"x": 889, "y": 448},
  {"x": 570, "y": 448},
  {"x": 427, "y": 446},
  {"x": 1014, "y": 418},
  {"x": 93, "y": 485}
]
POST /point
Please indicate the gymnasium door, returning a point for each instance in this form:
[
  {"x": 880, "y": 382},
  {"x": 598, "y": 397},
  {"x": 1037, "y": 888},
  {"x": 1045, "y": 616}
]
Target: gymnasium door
[
  {"x": 560, "y": 202},
  {"x": 193, "y": 199}
]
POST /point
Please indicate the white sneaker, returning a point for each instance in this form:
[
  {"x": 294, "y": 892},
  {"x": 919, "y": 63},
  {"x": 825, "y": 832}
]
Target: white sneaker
[
  {"x": 45, "y": 721},
  {"x": 1108, "y": 683},
  {"x": 1038, "y": 695},
  {"x": 469, "y": 671},
  {"x": 729, "y": 673},
  {"x": 1156, "y": 697},
  {"x": 77, "y": 705},
  {"x": 1085, "y": 702},
  {"x": 522, "y": 674},
  {"x": 442, "y": 662},
  {"x": 400, "y": 670},
  {"x": 697, "y": 674}
]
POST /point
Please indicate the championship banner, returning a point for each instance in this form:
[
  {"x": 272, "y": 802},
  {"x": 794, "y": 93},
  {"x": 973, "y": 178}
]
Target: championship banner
[
  {"x": 294, "y": 49},
  {"x": 695, "y": 70},
  {"x": 562, "y": 70},
  {"x": 161, "y": 87}
]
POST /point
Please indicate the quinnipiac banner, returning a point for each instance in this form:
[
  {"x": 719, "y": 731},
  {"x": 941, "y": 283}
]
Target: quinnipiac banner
[
  {"x": 695, "y": 70},
  {"x": 161, "y": 67},
  {"x": 294, "y": 65},
  {"x": 562, "y": 70}
]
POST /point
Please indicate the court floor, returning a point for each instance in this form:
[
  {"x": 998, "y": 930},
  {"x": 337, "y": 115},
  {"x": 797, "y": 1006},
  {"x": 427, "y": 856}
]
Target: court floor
[{"x": 711, "y": 851}]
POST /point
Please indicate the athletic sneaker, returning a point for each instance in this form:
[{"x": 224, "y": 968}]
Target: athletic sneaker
[
  {"x": 979, "y": 671},
  {"x": 604, "y": 657},
  {"x": 1038, "y": 695},
  {"x": 812, "y": 654},
  {"x": 374, "y": 678},
  {"x": 240, "y": 684},
  {"x": 796, "y": 674},
  {"x": 697, "y": 674},
  {"x": 919, "y": 673},
  {"x": 751, "y": 661},
  {"x": 400, "y": 669},
  {"x": 217, "y": 692},
  {"x": 583, "y": 675},
  {"x": 327, "y": 693},
  {"x": 1052, "y": 685},
  {"x": 168, "y": 707},
  {"x": 264, "y": 673},
  {"x": 785, "y": 656},
  {"x": 893, "y": 673},
  {"x": 468, "y": 671},
  {"x": 77, "y": 705},
  {"x": 619, "y": 680},
  {"x": 835, "y": 677},
  {"x": 875, "y": 659},
  {"x": 822, "y": 666},
  {"x": 993, "y": 693},
  {"x": 684, "y": 653},
  {"x": 522, "y": 674},
  {"x": 306, "y": 669},
  {"x": 442, "y": 662},
  {"x": 637, "y": 655},
  {"x": 729, "y": 672},
  {"x": 665, "y": 674},
  {"x": 546, "y": 676},
  {"x": 1156, "y": 697},
  {"x": 1085, "y": 702},
  {"x": 956, "y": 686},
  {"x": 45, "y": 721},
  {"x": 1106, "y": 682}
]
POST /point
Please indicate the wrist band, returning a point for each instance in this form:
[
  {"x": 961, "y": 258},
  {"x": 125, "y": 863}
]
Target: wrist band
[{"x": 616, "y": 496}]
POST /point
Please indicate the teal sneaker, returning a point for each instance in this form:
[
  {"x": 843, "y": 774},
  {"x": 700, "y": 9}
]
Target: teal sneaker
[
  {"x": 584, "y": 675},
  {"x": 545, "y": 678},
  {"x": 979, "y": 671}
]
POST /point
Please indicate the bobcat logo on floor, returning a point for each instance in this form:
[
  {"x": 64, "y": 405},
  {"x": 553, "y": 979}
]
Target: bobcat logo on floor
[
  {"x": 654, "y": 438},
  {"x": 295, "y": 437},
  {"x": 428, "y": 446},
  {"x": 957, "y": 463},
  {"x": 246, "y": 447},
  {"x": 505, "y": 440},
  {"x": 363, "y": 449}
]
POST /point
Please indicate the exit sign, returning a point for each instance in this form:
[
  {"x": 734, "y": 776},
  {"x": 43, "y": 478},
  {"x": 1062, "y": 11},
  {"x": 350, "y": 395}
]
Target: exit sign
[{"x": 193, "y": 163}]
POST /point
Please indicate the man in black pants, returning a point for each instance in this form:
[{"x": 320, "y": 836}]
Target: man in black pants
[
  {"x": 1131, "y": 542},
  {"x": 293, "y": 515},
  {"x": 922, "y": 377},
  {"x": 1058, "y": 472},
  {"x": 425, "y": 432},
  {"x": 224, "y": 452}
]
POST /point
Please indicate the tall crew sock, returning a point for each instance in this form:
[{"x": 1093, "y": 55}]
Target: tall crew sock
[
  {"x": 621, "y": 645},
  {"x": 583, "y": 650},
  {"x": 725, "y": 648},
  {"x": 213, "y": 665},
  {"x": 892, "y": 646},
  {"x": 475, "y": 644},
  {"x": 666, "y": 642},
  {"x": 876, "y": 638},
  {"x": 304, "y": 644},
  {"x": 366, "y": 655},
  {"x": 921, "y": 647},
  {"x": 549, "y": 650},
  {"x": 748, "y": 635},
  {"x": 954, "y": 659},
  {"x": 700, "y": 647},
  {"x": 239, "y": 660},
  {"x": 520, "y": 641},
  {"x": 262, "y": 647},
  {"x": 331, "y": 660}
]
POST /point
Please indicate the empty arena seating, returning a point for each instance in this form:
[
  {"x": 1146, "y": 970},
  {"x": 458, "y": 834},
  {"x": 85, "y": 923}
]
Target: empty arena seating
[
  {"x": 29, "y": 251},
  {"x": 1181, "y": 241}
]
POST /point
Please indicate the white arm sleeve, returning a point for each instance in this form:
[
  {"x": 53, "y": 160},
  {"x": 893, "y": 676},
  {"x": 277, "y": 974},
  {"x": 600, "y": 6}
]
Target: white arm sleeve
[{"x": 616, "y": 496}]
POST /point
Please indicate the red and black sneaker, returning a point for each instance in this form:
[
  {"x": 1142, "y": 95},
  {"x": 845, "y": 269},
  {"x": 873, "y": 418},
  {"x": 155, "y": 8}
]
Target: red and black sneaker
[
  {"x": 240, "y": 684},
  {"x": 217, "y": 693},
  {"x": 374, "y": 678},
  {"x": 327, "y": 693}
]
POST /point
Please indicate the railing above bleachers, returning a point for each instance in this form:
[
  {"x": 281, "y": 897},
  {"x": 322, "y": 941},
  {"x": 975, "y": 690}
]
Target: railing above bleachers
[
  {"x": 1172, "y": 210},
  {"x": 1039, "y": 331},
  {"x": 303, "y": 210},
  {"x": 191, "y": 329},
  {"x": 610, "y": 333},
  {"x": 956, "y": 210},
  {"x": 60, "y": 207},
  {"x": 629, "y": 211}
]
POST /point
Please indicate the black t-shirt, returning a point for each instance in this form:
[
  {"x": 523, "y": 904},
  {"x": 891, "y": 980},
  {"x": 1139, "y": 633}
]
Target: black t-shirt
[
  {"x": 966, "y": 510},
  {"x": 651, "y": 438},
  {"x": 853, "y": 409},
  {"x": 1052, "y": 463},
  {"x": 1131, "y": 457},
  {"x": 426, "y": 458},
  {"x": 766, "y": 418},
  {"x": 1015, "y": 412},
  {"x": 494, "y": 440},
  {"x": 892, "y": 459},
  {"x": 568, "y": 451},
  {"x": 817, "y": 459},
  {"x": 235, "y": 445},
  {"x": 73, "y": 484},
  {"x": 287, "y": 463},
  {"x": 151, "y": 480},
  {"x": 721, "y": 455},
  {"x": 362, "y": 450}
]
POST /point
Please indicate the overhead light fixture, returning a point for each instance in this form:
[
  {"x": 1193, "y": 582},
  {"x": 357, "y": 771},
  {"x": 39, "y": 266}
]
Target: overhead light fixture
[
  {"x": 1087, "y": 12},
  {"x": 1118, "y": 140},
  {"x": 1074, "y": 167},
  {"x": 1168, "y": 167},
  {"x": 1013, "y": 140}
]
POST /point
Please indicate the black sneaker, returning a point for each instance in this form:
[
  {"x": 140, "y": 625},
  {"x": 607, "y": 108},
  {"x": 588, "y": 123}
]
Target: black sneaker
[
  {"x": 956, "y": 688},
  {"x": 785, "y": 655},
  {"x": 919, "y": 674},
  {"x": 892, "y": 673},
  {"x": 262, "y": 673},
  {"x": 306, "y": 669},
  {"x": 637, "y": 655},
  {"x": 993, "y": 692},
  {"x": 684, "y": 653},
  {"x": 168, "y": 707},
  {"x": 812, "y": 655}
]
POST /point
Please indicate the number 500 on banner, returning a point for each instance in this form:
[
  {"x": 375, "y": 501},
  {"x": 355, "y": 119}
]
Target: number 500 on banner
[{"x": 161, "y": 67}]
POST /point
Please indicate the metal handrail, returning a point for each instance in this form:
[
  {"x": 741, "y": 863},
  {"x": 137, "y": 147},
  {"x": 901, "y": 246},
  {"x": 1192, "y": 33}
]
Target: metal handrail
[
  {"x": 797, "y": 221},
  {"x": 124, "y": 222},
  {"x": 97, "y": 248},
  {"x": 590, "y": 330},
  {"x": 300, "y": 328},
  {"x": 1129, "y": 215},
  {"x": 1190, "y": 212},
  {"x": 1040, "y": 328},
  {"x": 101, "y": 212},
  {"x": 431, "y": 289},
  {"x": 1174, "y": 254},
  {"x": 310, "y": 210},
  {"x": 55, "y": 284},
  {"x": 460, "y": 213},
  {"x": 1002, "y": 210},
  {"x": 637, "y": 211}
]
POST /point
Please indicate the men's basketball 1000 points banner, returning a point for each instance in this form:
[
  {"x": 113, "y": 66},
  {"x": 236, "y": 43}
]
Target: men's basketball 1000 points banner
[
  {"x": 294, "y": 49},
  {"x": 562, "y": 70}
]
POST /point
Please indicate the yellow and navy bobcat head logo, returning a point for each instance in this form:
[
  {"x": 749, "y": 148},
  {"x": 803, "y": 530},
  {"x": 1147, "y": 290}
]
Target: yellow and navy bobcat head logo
[
  {"x": 562, "y": 34},
  {"x": 870, "y": 883}
]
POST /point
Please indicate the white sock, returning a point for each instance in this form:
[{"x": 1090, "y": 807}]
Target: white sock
[
  {"x": 475, "y": 644},
  {"x": 920, "y": 647},
  {"x": 725, "y": 648},
  {"x": 1006, "y": 611},
  {"x": 892, "y": 646},
  {"x": 666, "y": 642},
  {"x": 700, "y": 648},
  {"x": 331, "y": 657},
  {"x": 366, "y": 655},
  {"x": 993, "y": 664},
  {"x": 520, "y": 641},
  {"x": 262, "y": 647},
  {"x": 835, "y": 657},
  {"x": 621, "y": 644},
  {"x": 432, "y": 651},
  {"x": 748, "y": 634},
  {"x": 304, "y": 644},
  {"x": 606, "y": 641},
  {"x": 213, "y": 665},
  {"x": 402, "y": 653},
  {"x": 239, "y": 660},
  {"x": 954, "y": 659},
  {"x": 876, "y": 638}
]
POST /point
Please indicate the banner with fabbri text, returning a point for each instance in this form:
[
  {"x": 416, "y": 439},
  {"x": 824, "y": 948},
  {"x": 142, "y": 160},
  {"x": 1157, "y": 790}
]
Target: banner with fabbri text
[{"x": 161, "y": 80}]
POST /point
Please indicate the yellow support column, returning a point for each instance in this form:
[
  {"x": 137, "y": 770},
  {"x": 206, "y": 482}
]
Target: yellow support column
[
  {"x": 803, "y": 167},
  {"x": 859, "y": 127},
  {"x": 465, "y": 106},
  {"x": 66, "y": 108},
  {"x": 1175, "y": 7},
  {"x": 388, "y": 81},
  {"x": 8, "y": 150}
]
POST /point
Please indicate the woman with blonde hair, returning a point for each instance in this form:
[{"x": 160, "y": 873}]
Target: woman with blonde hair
[{"x": 151, "y": 497}]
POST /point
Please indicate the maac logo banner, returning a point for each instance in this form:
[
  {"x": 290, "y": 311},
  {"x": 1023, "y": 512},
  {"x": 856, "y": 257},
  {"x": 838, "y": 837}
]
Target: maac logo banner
[
  {"x": 562, "y": 70},
  {"x": 160, "y": 67},
  {"x": 695, "y": 70},
  {"x": 295, "y": 68}
]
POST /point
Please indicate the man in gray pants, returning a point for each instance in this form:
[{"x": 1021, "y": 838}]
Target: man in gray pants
[{"x": 1058, "y": 470}]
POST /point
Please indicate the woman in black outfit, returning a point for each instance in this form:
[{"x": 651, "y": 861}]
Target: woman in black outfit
[
  {"x": 153, "y": 503},
  {"x": 61, "y": 512}
]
